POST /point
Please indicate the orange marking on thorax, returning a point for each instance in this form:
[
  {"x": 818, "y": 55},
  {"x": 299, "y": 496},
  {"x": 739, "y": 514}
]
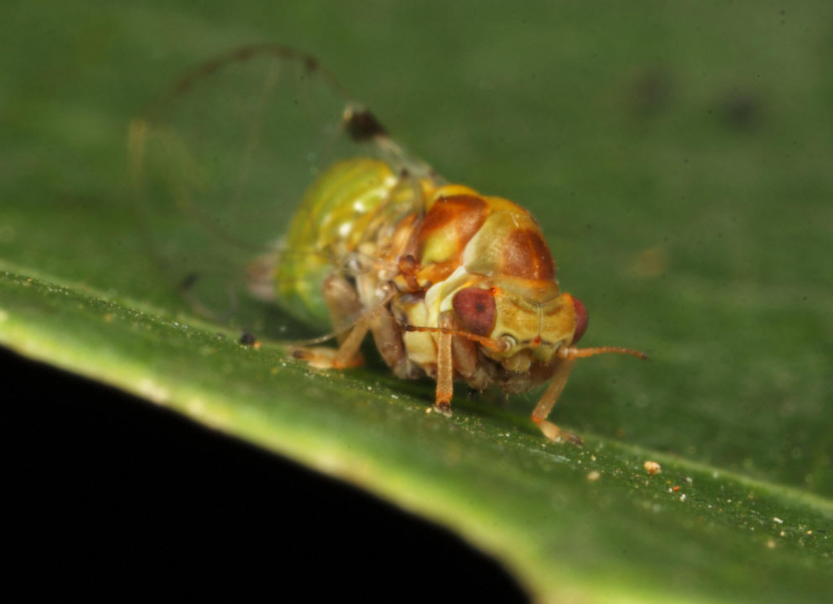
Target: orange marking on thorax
[
  {"x": 525, "y": 254},
  {"x": 450, "y": 224}
]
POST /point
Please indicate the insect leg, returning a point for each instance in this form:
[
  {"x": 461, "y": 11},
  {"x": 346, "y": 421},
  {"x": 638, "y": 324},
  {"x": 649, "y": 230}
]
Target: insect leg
[
  {"x": 342, "y": 302},
  {"x": 464, "y": 356},
  {"x": 445, "y": 372},
  {"x": 388, "y": 337},
  {"x": 347, "y": 355},
  {"x": 547, "y": 402}
]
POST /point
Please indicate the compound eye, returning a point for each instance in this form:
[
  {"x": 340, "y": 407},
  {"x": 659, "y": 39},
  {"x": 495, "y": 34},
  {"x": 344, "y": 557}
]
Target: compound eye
[
  {"x": 475, "y": 308},
  {"x": 581, "y": 320}
]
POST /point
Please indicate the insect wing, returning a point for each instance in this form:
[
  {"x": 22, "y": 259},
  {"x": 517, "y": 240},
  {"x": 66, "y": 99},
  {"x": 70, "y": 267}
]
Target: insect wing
[{"x": 220, "y": 162}]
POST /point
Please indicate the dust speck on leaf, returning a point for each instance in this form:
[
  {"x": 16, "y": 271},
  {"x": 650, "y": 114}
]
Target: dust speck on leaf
[{"x": 652, "y": 467}]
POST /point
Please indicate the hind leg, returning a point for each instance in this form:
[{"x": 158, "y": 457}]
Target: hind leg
[{"x": 343, "y": 303}]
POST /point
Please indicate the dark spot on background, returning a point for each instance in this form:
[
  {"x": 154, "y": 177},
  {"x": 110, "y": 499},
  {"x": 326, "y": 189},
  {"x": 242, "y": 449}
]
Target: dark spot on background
[
  {"x": 651, "y": 92},
  {"x": 189, "y": 281},
  {"x": 247, "y": 339},
  {"x": 740, "y": 111}
]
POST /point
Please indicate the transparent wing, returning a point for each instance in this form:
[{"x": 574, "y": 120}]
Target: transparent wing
[{"x": 221, "y": 161}]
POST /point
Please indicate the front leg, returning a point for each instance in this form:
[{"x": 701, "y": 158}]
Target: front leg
[
  {"x": 387, "y": 334},
  {"x": 445, "y": 369},
  {"x": 547, "y": 402}
]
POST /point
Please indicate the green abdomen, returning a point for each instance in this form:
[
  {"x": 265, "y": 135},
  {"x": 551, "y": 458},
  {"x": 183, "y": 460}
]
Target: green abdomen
[{"x": 329, "y": 223}]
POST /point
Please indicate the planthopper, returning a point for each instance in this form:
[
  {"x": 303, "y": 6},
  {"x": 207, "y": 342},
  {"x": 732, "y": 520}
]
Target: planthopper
[{"x": 449, "y": 283}]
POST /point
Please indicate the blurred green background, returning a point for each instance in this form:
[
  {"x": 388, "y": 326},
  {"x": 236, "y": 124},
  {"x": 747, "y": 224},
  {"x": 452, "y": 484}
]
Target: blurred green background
[{"x": 678, "y": 158}]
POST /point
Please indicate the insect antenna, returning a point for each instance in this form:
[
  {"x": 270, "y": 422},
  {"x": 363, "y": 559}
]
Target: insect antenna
[
  {"x": 200, "y": 308},
  {"x": 184, "y": 84},
  {"x": 497, "y": 345},
  {"x": 568, "y": 352}
]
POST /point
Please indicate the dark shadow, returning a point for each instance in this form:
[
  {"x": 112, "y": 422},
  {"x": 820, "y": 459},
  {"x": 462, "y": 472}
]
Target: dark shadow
[{"x": 108, "y": 487}]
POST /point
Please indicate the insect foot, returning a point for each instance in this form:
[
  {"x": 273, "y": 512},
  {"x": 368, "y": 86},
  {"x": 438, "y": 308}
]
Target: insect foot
[
  {"x": 443, "y": 408},
  {"x": 555, "y": 434},
  {"x": 322, "y": 357}
]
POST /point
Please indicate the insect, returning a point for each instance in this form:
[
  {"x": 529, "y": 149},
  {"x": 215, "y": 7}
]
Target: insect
[{"x": 448, "y": 282}]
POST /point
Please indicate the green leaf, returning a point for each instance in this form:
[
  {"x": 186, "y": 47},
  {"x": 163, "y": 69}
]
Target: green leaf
[
  {"x": 686, "y": 199},
  {"x": 558, "y": 516}
]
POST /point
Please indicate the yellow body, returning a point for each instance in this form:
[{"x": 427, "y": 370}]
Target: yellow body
[
  {"x": 333, "y": 218},
  {"x": 360, "y": 211}
]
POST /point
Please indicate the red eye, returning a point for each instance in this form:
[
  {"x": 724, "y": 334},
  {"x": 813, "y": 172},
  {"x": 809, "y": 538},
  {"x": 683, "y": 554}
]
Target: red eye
[
  {"x": 475, "y": 308},
  {"x": 581, "y": 320}
]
